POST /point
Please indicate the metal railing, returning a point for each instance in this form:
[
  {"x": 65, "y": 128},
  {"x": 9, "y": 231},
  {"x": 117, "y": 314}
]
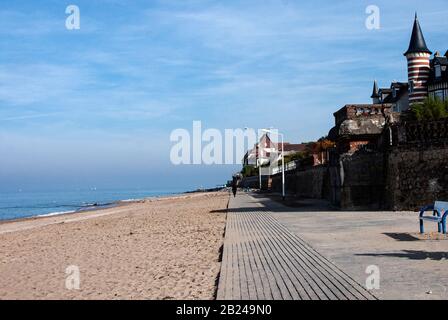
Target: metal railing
[{"x": 288, "y": 167}]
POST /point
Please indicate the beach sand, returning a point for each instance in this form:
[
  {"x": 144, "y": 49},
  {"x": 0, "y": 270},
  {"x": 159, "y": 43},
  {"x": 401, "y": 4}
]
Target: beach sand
[{"x": 159, "y": 249}]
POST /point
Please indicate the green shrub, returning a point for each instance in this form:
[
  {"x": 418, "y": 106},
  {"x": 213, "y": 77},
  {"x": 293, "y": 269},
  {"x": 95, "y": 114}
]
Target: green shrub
[
  {"x": 249, "y": 171},
  {"x": 430, "y": 109}
]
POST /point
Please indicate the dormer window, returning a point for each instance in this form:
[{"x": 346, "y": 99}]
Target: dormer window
[{"x": 438, "y": 71}]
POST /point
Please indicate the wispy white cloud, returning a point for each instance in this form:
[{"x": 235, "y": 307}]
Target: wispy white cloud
[
  {"x": 26, "y": 84},
  {"x": 28, "y": 116}
]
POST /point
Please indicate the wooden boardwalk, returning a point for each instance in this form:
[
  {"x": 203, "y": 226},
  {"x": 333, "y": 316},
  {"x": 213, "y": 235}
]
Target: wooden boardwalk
[{"x": 263, "y": 260}]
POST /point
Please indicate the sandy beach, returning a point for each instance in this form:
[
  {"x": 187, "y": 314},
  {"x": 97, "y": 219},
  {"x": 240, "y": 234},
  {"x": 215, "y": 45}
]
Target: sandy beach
[{"x": 156, "y": 249}]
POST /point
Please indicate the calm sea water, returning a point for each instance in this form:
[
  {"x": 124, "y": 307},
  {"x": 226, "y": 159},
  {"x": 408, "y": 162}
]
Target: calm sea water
[{"x": 22, "y": 204}]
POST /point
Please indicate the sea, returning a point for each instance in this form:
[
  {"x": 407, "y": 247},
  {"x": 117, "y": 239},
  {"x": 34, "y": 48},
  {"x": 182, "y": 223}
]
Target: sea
[{"x": 24, "y": 204}]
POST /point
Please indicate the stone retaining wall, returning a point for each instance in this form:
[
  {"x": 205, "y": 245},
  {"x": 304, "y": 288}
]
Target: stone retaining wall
[
  {"x": 362, "y": 181},
  {"x": 403, "y": 178},
  {"x": 416, "y": 176}
]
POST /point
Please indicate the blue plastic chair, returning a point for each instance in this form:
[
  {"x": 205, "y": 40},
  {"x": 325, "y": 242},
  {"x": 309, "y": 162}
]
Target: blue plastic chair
[{"x": 440, "y": 213}]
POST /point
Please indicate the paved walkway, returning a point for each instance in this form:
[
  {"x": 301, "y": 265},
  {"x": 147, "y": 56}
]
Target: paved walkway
[
  {"x": 412, "y": 266},
  {"x": 262, "y": 259}
]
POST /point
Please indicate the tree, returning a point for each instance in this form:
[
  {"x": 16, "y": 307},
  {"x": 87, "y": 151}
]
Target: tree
[
  {"x": 319, "y": 147},
  {"x": 249, "y": 171},
  {"x": 430, "y": 109}
]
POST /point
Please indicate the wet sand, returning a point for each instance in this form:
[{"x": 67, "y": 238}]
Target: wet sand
[{"x": 157, "y": 249}]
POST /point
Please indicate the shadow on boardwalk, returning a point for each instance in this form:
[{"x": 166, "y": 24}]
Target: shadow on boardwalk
[
  {"x": 236, "y": 210},
  {"x": 410, "y": 254},
  {"x": 275, "y": 203}
]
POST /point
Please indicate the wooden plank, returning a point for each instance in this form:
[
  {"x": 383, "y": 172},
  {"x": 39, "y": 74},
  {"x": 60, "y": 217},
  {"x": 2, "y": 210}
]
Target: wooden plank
[
  {"x": 288, "y": 290},
  {"x": 263, "y": 291},
  {"x": 271, "y": 289},
  {"x": 279, "y": 288}
]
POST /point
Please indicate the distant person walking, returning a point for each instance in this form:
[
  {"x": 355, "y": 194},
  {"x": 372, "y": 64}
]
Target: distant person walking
[{"x": 234, "y": 186}]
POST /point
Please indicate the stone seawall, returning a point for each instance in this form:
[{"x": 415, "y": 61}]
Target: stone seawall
[
  {"x": 362, "y": 181},
  {"x": 309, "y": 183},
  {"x": 290, "y": 182},
  {"x": 404, "y": 178},
  {"x": 254, "y": 182},
  {"x": 416, "y": 176}
]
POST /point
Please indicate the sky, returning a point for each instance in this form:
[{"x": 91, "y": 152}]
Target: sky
[{"x": 96, "y": 106}]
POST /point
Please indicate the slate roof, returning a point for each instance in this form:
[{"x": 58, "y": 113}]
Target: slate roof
[
  {"x": 417, "y": 43},
  {"x": 375, "y": 93}
]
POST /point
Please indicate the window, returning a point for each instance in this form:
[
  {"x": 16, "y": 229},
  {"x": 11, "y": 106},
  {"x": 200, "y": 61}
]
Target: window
[
  {"x": 439, "y": 94},
  {"x": 438, "y": 71}
]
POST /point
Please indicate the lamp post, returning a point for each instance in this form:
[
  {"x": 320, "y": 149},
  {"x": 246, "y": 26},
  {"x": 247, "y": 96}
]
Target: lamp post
[
  {"x": 283, "y": 160},
  {"x": 259, "y": 165}
]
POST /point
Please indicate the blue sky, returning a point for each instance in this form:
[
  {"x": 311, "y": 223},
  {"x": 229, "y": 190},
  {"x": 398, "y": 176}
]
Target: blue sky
[{"x": 96, "y": 106}]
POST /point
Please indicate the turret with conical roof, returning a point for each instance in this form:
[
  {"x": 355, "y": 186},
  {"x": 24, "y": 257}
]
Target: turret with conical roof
[
  {"x": 418, "y": 64},
  {"x": 417, "y": 43},
  {"x": 375, "y": 93}
]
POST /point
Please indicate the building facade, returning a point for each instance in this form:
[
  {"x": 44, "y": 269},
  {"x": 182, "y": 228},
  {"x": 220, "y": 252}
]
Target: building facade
[
  {"x": 357, "y": 125},
  {"x": 427, "y": 76},
  {"x": 418, "y": 57},
  {"x": 438, "y": 77}
]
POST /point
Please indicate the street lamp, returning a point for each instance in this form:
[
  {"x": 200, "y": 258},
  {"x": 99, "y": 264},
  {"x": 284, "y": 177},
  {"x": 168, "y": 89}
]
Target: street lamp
[
  {"x": 283, "y": 159},
  {"x": 258, "y": 164}
]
